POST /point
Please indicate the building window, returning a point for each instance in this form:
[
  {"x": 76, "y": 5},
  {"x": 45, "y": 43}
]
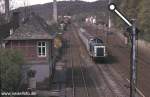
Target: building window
[{"x": 41, "y": 49}]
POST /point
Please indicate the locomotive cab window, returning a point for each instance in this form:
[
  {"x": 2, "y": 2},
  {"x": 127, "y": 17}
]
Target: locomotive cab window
[
  {"x": 98, "y": 40},
  {"x": 41, "y": 49}
]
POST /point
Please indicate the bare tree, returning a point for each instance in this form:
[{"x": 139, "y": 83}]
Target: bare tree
[
  {"x": 2, "y": 5},
  {"x": 7, "y": 10},
  {"x": 27, "y": 9}
]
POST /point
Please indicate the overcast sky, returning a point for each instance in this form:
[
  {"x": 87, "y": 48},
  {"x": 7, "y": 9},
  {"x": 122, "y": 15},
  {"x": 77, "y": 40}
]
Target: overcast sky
[{"x": 19, "y": 3}]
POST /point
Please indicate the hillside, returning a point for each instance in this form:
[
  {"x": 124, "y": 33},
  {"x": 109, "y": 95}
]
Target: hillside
[{"x": 69, "y": 8}]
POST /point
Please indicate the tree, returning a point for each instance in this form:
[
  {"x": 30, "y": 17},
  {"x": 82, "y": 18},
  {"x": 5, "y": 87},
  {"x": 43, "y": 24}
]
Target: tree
[
  {"x": 138, "y": 9},
  {"x": 6, "y": 6},
  {"x": 10, "y": 68},
  {"x": 143, "y": 18},
  {"x": 7, "y": 10}
]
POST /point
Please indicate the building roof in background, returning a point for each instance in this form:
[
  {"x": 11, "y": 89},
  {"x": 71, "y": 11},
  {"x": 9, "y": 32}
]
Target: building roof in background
[{"x": 34, "y": 28}]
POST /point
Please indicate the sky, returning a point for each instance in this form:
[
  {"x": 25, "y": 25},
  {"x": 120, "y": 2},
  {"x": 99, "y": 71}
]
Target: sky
[{"x": 19, "y": 3}]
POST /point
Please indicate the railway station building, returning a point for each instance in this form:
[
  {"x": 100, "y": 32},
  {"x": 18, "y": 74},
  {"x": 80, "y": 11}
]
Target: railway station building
[{"x": 34, "y": 39}]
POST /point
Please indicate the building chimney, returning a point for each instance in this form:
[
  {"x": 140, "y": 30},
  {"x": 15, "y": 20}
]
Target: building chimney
[
  {"x": 55, "y": 10},
  {"x": 7, "y": 10}
]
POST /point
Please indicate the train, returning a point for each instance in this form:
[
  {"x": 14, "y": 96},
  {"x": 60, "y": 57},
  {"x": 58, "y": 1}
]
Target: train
[{"x": 94, "y": 45}]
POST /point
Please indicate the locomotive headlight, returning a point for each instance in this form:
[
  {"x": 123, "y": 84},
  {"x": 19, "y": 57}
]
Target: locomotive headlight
[
  {"x": 95, "y": 49},
  {"x": 95, "y": 52}
]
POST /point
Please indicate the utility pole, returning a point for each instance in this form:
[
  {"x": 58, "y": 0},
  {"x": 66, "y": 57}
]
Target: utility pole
[
  {"x": 55, "y": 10},
  {"x": 7, "y": 10},
  {"x": 133, "y": 79}
]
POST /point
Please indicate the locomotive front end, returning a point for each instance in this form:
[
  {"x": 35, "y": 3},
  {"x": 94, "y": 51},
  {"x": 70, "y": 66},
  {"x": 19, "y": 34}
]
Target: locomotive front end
[{"x": 100, "y": 51}]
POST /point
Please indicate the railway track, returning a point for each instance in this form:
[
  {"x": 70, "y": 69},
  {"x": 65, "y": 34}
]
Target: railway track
[
  {"x": 111, "y": 86},
  {"x": 98, "y": 89},
  {"x": 78, "y": 74},
  {"x": 115, "y": 82},
  {"x": 83, "y": 82},
  {"x": 78, "y": 80},
  {"x": 72, "y": 71},
  {"x": 142, "y": 61}
]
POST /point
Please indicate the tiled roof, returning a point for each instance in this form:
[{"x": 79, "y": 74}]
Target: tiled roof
[{"x": 33, "y": 28}]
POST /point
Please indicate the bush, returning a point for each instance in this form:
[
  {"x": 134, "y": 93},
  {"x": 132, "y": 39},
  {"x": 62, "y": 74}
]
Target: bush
[{"x": 10, "y": 66}]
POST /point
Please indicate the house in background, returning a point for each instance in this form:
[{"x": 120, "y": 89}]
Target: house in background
[{"x": 34, "y": 39}]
